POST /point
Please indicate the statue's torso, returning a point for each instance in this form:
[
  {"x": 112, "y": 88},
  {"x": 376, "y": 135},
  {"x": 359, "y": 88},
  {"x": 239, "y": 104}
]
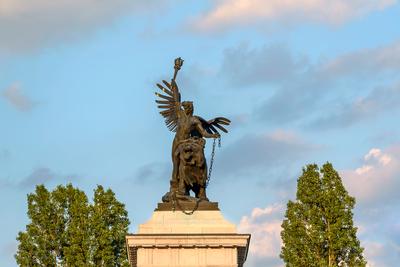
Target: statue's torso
[{"x": 186, "y": 125}]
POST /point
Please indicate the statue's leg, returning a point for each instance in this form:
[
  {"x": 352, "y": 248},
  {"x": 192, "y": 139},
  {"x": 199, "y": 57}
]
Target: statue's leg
[
  {"x": 202, "y": 193},
  {"x": 202, "y": 182},
  {"x": 196, "y": 190},
  {"x": 175, "y": 168},
  {"x": 182, "y": 188}
]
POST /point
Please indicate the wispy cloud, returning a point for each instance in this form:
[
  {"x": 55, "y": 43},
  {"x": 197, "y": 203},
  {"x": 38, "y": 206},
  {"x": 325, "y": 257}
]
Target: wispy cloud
[
  {"x": 245, "y": 66},
  {"x": 344, "y": 90},
  {"x": 152, "y": 172},
  {"x": 381, "y": 99},
  {"x": 14, "y": 95},
  {"x": 44, "y": 175},
  {"x": 26, "y": 26},
  {"x": 255, "y": 152},
  {"x": 228, "y": 14},
  {"x": 362, "y": 63}
]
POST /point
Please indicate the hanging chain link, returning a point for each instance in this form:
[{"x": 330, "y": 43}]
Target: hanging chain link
[
  {"x": 176, "y": 204},
  {"x": 189, "y": 212},
  {"x": 212, "y": 159}
]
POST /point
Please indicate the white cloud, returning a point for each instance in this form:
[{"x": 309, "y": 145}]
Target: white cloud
[
  {"x": 363, "y": 169},
  {"x": 17, "y": 98},
  {"x": 30, "y": 25},
  {"x": 377, "y": 178},
  {"x": 229, "y": 13},
  {"x": 264, "y": 225},
  {"x": 377, "y": 154}
]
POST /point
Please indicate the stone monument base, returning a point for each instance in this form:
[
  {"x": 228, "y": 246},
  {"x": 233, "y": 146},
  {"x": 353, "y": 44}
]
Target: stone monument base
[{"x": 172, "y": 238}]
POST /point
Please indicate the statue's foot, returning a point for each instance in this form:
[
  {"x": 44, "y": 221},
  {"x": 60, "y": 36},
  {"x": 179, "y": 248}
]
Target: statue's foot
[
  {"x": 167, "y": 197},
  {"x": 204, "y": 199},
  {"x": 170, "y": 196},
  {"x": 183, "y": 197}
]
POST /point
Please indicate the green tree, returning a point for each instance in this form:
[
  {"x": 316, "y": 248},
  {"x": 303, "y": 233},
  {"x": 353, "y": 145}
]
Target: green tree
[
  {"x": 109, "y": 226},
  {"x": 318, "y": 227},
  {"x": 66, "y": 230}
]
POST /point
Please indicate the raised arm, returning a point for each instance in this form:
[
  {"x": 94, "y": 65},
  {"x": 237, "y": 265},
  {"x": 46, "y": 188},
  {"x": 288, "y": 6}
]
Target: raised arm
[{"x": 174, "y": 87}]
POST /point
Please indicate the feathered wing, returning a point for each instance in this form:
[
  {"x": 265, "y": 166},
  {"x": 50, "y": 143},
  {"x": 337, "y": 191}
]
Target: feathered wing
[
  {"x": 212, "y": 126},
  {"x": 169, "y": 101}
]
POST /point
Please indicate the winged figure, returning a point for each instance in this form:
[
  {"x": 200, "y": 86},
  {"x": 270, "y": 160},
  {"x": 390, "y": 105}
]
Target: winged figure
[{"x": 189, "y": 133}]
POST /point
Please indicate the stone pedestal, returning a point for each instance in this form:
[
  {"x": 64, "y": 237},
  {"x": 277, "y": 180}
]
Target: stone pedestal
[{"x": 174, "y": 239}]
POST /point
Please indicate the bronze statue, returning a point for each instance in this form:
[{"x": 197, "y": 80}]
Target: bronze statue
[{"x": 189, "y": 164}]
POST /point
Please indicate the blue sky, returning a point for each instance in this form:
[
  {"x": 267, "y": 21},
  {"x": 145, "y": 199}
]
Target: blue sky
[{"x": 302, "y": 81}]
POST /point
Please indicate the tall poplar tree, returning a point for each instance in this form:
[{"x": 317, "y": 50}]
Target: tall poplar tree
[
  {"x": 318, "y": 227},
  {"x": 66, "y": 230},
  {"x": 109, "y": 225}
]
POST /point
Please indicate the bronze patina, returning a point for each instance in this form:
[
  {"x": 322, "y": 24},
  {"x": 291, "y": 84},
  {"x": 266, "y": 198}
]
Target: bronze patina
[{"x": 189, "y": 171}]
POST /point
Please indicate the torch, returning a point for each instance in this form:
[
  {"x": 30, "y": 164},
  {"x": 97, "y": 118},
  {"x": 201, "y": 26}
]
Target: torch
[{"x": 177, "y": 66}]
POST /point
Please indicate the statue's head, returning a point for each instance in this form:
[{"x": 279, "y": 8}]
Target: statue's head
[{"x": 188, "y": 107}]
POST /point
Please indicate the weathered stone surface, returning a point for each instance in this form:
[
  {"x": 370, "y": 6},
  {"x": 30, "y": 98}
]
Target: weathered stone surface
[
  {"x": 167, "y": 222},
  {"x": 188, "y": 250},
  {"x": 172, "y": 238},
  {"x": 187, "y": 206}
]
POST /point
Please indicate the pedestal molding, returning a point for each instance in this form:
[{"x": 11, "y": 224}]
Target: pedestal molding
[{"x": 174, "y": 239}]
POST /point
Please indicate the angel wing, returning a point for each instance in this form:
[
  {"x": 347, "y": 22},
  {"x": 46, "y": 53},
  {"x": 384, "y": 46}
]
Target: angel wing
[
  {"x": 212, "y": 125},
  {"x": 169, "y": 101}
]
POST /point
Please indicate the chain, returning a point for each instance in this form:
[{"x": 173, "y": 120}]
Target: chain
[
  {"x": 189, "y": 212},
  {"x": 176, "y": 204},
  {"x": 212, "y": 159}
]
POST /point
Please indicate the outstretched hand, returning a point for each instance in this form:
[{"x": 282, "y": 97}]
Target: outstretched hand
[{"x": 217, "y": 135}]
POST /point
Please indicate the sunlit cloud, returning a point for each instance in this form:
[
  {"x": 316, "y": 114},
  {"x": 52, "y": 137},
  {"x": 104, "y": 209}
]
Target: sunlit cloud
[
  {"x": 227, "y": 14},
  {"x": 377, "y": 178},
  {"x": 264, "y": 224}
]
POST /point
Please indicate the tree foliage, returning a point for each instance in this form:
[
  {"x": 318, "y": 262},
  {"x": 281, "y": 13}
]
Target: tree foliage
[
  {"x": 66, "y": 230},
  {"x": 318, "y": 227}
]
